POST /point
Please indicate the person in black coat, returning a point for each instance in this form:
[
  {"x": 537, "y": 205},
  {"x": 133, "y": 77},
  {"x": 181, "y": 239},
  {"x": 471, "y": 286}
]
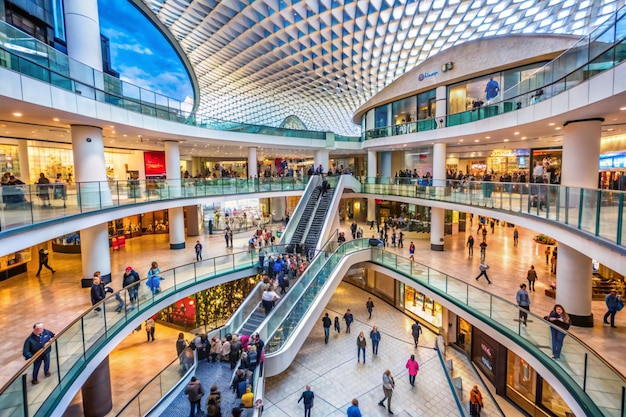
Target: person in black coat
[
  {"x": 98, "y": 292},
  {"x": 39, "y": 339}
]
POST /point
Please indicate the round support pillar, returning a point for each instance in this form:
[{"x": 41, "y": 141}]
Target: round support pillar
[
  {"x": 573, "y": 285},
  {"x": 322, "y": 158},
  {"x": 279, "y": 208},
  {"x": 436, "y": 228},
  {"x": 253, "y": 165},
  {"x": 96, "y": 392},
  {"x": 372, "y": 167},
  {"x": 22, "y": 154},
  {"x": 385, "y": 165},
  {"x": 176, "y": 216},
  {"x": 95, "y": 254},
  {"x": 441, "y": 99},
  {"x": 83, "y": 32},
  {"x": 581, "y": 153}
]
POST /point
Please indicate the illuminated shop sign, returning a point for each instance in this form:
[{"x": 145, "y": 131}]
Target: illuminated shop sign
[
  {"x": 425, "y": 75},
  {"x": 510, "y": 152},
  {"x": 617, "y": 161}
]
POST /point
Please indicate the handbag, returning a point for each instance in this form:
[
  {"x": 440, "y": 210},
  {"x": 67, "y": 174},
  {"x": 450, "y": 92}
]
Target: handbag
[{"x": 620, "y": 304}]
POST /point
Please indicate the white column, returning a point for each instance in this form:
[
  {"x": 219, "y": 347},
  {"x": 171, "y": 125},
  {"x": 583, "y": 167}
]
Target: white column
[
  {"x": 441, "y": 108},
  {"x": 322, "y": 157},
  {"x": 89, "y": 167},
  {"x": 82, "y": 25},
  {"x": 94, "y": 253},
  {"x": 372, "y": 173},
  {"x": 279, "y": 207},
  {"x": 581, "y": 153},
  {"x": 22, "y": 155},
  {"x": 437, "y": 215},
  {"x": 176, "y": 216},
  {"x": 385, "y": 165},
  {"x": 372, "y": 165},
  {"x": 93, "y": 192},
  {"x": 253, "y": 165},
  {"x": 573, "y": 285}
]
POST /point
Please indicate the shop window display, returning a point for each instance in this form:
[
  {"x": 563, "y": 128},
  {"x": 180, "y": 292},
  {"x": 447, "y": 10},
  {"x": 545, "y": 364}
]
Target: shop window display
[
  {"x": 551, "y": 400},
  {"x": 422, "y": 306}
]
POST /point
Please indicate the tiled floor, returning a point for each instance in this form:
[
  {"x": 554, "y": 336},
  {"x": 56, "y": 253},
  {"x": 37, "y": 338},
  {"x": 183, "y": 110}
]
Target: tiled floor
[
  {"x": 58, "y": 299},
  {"x": 335, "y": 376}
]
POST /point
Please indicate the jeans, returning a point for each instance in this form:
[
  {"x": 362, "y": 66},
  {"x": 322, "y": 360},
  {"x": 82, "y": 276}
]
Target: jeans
[
  {"x": 150, "y": 334},
  {"x": 523, "y": 316},
  {"x": 359, "y": 349},
  {"x": 326, "y": 334},
  {"x": 557, "y": 342},
  {"x": 412, "y": 379},
  {"x": 531, "y": 286},
  {"x": 612, "y": 314},
  {"x": 195, "y": 408},
  {"x": 483, "y": 273},
  {"x": 375, "y": 347},
  {"x": 45, "y": 358}
]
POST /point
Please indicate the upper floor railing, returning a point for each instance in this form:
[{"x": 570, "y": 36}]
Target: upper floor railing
[
  {"x": 595, "y": 211},
  {"x": 29, "y": 204},
  {"x": 596, "y": 385},
  {"x": 22, "y": 53},
  {"x": 75, "y": 346},
  {"x": 603, "y": 49}
]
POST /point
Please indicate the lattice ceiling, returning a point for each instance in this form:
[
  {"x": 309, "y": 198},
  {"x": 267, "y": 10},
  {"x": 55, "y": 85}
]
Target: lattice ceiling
[{"x": 262, "y": 61}]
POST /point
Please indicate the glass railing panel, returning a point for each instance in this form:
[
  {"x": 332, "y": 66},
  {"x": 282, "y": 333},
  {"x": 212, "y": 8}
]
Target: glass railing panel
[
  {"x": 479, "y": 300},
  {"x": 505, "y": 313},
  {"x": 588, "y": 200},
  {"x": 437, "y": 280},
  {"x": 610, "y": 205},
  {"x": 457, "y": 289},
  {"x": 12, "y": 404},
  {"x": 604, "y": 387},
  {"x": 185, "y": 275},
  {"x": 70, "y": 348}
]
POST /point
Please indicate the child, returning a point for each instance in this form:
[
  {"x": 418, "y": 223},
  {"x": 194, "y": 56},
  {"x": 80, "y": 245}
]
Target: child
[{"x": 337, "y": 325}]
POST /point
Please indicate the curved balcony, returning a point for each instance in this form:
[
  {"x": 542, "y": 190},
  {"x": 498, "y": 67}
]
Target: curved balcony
[{"x": 589, "y": 384}]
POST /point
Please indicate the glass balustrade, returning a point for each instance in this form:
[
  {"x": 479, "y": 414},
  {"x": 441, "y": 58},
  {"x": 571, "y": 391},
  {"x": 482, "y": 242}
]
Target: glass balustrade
[
  {"x": 603, "y": 49},
  {"x": 598, "y": 212},
  {"x": 78, "y": 343},
  {"x": 153, "y": 392},
  {"x": 23, "y": 204},
  {"x": 22, "y": 53},
  {"x": 580, "y": 369}
]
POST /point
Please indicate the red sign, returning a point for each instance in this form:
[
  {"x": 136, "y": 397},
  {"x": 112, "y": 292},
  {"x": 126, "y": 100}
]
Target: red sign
[{"x": 154, "y": 163}]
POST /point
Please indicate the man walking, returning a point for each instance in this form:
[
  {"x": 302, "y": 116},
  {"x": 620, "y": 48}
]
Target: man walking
[
  {"x": 531, "y": 277},
  {"x": 483, "y": 272},
  {"x": 515, "y": 237},
  {"x": 416, "y": 331},
  {"x": 375, "y": 336},
  {"x": 349, "y": 318},
  {"x": 470, "y": 246},
  {"x": 129, "y": 278},
  {"x": 370, "y": 306},
  {"x": 308, "y": 398},
  {"x": 43, "y": 261},
  {"x": 326, "y": 324},
  {"x": 194, "y": 393},
  {"x": 483, "y": 250},
  {"x": 39, "y": 339},
  {"x": 613, "y": 303},
  {"x": 401, "y": 239},
  {"x": 523, "y": 301},
  {"x": 198, "y": 249},
  {"x": 353, "y": 228},
  {"x": 353, "y": 410},
  {"x": 388, "y": 386}
]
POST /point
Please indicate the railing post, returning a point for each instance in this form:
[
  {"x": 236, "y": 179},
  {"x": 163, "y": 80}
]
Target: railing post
[
  {"x": 620, "y": 218},
  {"x": 100, "y": 198},
  {"x": 117, "y": 185},
  {"x": 580, "y": 207},
  {"x": 585, "y": 373},
  {"x": 566, "y": 205},
  {"x": 598, "y": 203}
]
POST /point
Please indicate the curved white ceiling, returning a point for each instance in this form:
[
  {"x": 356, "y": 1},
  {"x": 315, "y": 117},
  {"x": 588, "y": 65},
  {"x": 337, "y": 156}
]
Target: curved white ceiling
[{"x": 260, "y": 61}]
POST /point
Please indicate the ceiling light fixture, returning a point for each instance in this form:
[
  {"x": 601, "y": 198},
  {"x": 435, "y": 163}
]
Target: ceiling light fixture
[{"x": 17, "y": 114}]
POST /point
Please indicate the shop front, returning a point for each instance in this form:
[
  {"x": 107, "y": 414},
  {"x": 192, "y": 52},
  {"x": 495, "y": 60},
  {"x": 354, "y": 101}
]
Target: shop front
[{"x": 510, "y": 374}]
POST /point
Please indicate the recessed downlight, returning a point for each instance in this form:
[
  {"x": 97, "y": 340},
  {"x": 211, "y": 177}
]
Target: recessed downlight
[
  {"x": 17, "y": 114},
  {"x": 550, "y": 124}
]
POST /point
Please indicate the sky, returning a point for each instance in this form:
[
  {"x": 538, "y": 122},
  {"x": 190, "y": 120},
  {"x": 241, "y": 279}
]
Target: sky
[{"x": 140, "y": 53}]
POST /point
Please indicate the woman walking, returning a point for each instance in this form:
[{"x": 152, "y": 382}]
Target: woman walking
[
  {"x": 361, "y": 344},
  {"x": 413, "y": 368},
  {"x": 559, "y": 318}
]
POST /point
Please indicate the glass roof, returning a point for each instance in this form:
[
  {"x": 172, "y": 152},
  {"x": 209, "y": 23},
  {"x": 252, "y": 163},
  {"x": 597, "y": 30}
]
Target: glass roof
[{"x": 261, "y": 61}]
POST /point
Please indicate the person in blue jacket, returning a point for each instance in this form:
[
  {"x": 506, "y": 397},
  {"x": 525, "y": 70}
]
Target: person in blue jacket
[
  {"x": 353, "y": 410},
  {"x": 613, "y": 302},
  {"x": 375, "y": 336},
  {"x": 39, "y": 339}
]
